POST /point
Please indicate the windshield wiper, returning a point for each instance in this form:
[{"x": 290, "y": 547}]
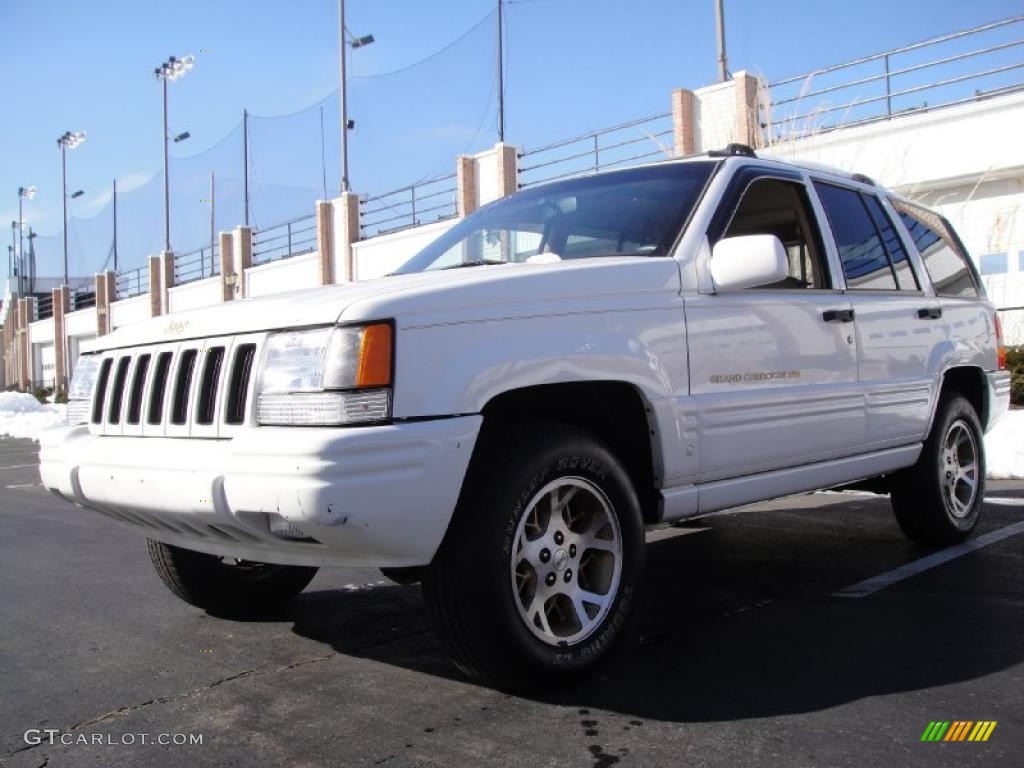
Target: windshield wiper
[{"x": 475, "y": 263}]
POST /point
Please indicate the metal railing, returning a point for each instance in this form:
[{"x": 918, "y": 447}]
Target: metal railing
[
  {"x": 942, "y": 71},
  {"x": 83, "y": 298},
  {"x": 421, "y": 203},
  {"x": 1012, "y": 322},
  {"x": 197, "y": 265},
  {"x": 133, "y": 282},
  {"x": 647, "y": 138},
  {"x": 44, "y": 306},
  {"x": 281, "y": 241}
]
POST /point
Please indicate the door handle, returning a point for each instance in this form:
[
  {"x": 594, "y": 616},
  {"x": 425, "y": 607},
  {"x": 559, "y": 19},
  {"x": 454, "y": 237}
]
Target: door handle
[
  {"x": 929, "y": 313},
  {"x": 837, "y": 315}
]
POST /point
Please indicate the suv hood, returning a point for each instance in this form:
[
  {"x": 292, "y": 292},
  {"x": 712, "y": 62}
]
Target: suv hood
[{"x": 454, "y": 295}]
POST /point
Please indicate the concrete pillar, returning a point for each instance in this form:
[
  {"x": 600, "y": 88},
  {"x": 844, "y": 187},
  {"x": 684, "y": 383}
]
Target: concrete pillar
[
  {"x": 166, "y": 280},
  {"x": 62, "y": 369},
  {"x": 507, "y": 157},
  {"x": 684, "y": 127},
  {"x": 468, "y": 198},
  {"x": 228, "y": 278},
  {"x": 346, "y": 232},
  {"x": 156, "y": 292},
  {"x": 325, "y": 240},
  {"x": 242, "y": 242},
  {"x": 748, "y": 118}
]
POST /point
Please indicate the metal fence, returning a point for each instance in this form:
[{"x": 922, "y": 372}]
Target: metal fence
[
  {"x": 647, "y": 138},
  {"x": 422, "y": 203},
  {"x": 1012, "y": 321},
  {"x": 83, "y": 298},
  {"x": 292, "y": 238},
  {"x": 44, "y": 306},
  {"x": 133, "y": 282},
  {"x": 942, "y": 71},
  {"x": 197, "y": 265}
]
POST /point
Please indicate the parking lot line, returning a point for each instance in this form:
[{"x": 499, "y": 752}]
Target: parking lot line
[
  {"x": 1006, "y": 501},
  {"x": 20, "y": 466},
  {"x": 875, "y": 583}
]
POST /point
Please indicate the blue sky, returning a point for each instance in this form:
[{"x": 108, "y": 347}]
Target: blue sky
[{"x": 573, "y": 65}]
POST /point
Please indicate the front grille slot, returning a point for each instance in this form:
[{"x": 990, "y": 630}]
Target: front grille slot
[
  {"x": 159, "y": 389},
  {"x": 138, "y": 383},
  {"x": 117, "y": 390},
  {"x": 182, "y": 385},
  {"x": 208, "y": 385},
  {"x": 101, "y": 391},
  {"x": 238, "y": 385}
]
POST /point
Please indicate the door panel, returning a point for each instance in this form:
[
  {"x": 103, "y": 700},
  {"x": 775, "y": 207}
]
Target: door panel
[{"x": 774, "y": 383}]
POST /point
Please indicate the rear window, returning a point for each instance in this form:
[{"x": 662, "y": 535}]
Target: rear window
[{"x": 943, "y": 257}]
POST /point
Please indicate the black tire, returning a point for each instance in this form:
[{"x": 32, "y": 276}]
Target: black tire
[
  {"x": 921, "y": 495},
  {"x": 469, "y": 588},
  {"x": 207, "y": 582}
]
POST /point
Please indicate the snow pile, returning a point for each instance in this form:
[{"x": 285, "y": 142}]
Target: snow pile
[
  {"x": 21, "y": 415},
  {"x": 1004, "y": 448}
]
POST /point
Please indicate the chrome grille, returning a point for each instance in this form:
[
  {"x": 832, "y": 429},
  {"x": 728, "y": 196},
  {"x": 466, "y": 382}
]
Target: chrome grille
[{"x": 200, "y": 388}]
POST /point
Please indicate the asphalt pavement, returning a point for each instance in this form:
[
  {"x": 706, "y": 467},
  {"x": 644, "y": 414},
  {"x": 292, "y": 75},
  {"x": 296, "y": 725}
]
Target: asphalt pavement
[{"x": 742, "y": 654}]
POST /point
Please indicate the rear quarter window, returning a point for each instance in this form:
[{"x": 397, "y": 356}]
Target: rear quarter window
[{"x": 944, "y": 259}]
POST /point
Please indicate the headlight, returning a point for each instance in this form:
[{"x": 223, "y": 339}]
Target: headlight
[
  {"x": 80, "y": 391},
  {"x": 327, "y": 376}
]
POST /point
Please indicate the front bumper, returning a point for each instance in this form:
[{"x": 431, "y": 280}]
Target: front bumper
[
  {"x": 378, "y": 496},
  {"x": 999, "y": 383}
]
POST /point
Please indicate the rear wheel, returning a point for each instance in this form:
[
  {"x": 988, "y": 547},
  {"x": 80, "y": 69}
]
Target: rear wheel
[
  {"x": 538, "y": 574},
  {"x": 938, "y": 500},
  {"x": 226, "y": 584}
]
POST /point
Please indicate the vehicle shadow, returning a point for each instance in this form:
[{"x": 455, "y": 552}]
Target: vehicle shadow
[{"x": 720, "y": 638}]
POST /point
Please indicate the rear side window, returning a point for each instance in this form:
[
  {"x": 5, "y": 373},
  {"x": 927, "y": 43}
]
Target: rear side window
[
  {"x": 867, "y": 263},
  {"x": 943, "y": 257}
]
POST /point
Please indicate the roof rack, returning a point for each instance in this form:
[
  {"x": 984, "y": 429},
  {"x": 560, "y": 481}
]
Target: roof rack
[
  {"x": 733, "y": 150},
  {"x": 863, "y": 179}
]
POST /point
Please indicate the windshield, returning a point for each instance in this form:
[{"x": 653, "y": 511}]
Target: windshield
[{"x": 636, "y": 212}]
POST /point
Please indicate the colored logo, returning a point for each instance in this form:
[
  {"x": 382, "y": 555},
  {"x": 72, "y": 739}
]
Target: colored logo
[{"x": 958, "y": 730}]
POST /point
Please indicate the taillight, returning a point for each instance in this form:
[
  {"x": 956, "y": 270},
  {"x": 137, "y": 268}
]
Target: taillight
[{"x": 1000, "y": 349}]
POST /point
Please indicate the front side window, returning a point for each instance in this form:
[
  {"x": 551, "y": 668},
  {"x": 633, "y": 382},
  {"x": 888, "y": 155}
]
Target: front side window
[
  {"x": 872, "y": 255},
  {"x": 780, "y": 208},
  {"x": 636, "y": 212},
  {"x": 944, "y": 259}
]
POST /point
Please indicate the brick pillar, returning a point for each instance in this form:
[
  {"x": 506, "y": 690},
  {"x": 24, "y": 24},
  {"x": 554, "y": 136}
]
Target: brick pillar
[
  {"x": 228, "y": 279},
  {"x": 105, "y": 295},
  {"x": 166, "y": 279},
  {"x": 507, "y": 157},
  {"x": 325, "y": 240},
  {"x": 466, "y": 181},
  {"x": 10, "y": 344},
  {"x": 61, "y": 303},
  {"x": 346, "y": 232},
  {"x": 156, "y": 304},
  {"x": 26, "y": 308},
  {"x": 748, "y": 119},
  {"x": 683, "y": 125},
  {"x": 242, "y": 241}
]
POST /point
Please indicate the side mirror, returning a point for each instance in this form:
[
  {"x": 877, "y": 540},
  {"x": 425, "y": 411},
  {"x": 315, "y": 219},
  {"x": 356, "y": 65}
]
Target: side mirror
[{"x": 747, "y": 262}]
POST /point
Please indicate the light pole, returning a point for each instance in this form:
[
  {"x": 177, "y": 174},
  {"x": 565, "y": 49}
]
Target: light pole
[
  {"x": 23, "y": 193},
  {"x": 723, "y": 64},
  {"x": 69, "y": 140},
  {"x": 172, "y": 69},
  {"x": 355, "y": 42}
]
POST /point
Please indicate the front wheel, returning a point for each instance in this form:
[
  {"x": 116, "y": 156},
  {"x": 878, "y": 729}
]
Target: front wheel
[
  {"x": 938, "y": 500},
  {"x": 538, "y": 574},
  {"x": 225, "y": 584}
]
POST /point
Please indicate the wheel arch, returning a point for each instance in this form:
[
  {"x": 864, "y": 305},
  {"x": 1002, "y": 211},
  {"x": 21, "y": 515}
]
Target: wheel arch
[
  {"x": 615, "y": 411},
  {"x": 968, "y": 381}
]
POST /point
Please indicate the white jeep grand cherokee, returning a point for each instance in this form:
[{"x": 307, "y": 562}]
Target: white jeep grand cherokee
[{"x": 503, "y": 417}]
